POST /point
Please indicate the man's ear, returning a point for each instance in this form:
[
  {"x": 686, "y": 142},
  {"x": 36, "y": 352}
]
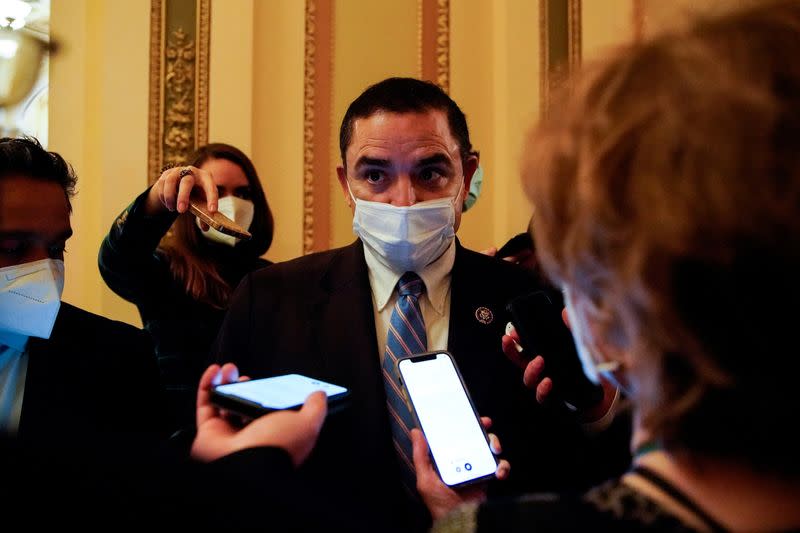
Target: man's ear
[
  {"x": 470, "y": 166},
  {"x": 342, "y": 175}
]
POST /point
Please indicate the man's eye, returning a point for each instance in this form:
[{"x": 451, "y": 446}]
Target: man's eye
[
  {"x": 430, "y": 175},
  {"x": 373, "y": 176}
]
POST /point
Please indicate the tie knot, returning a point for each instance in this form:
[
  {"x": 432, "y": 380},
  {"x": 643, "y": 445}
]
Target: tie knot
[{"x": 410, "y": 285}]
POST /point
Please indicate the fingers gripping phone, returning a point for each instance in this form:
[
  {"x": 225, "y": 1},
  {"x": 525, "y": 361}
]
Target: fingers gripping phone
[
  {"x": 258, "y": 397},
  {"x": 445, "y": 414},
  {"x": 542, "y": 331},
  {"x": 218, "y": 221}
]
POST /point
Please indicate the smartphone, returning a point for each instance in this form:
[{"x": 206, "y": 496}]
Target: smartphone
[
  {"x": 218, "y": 221},
  {"x": 446, "y": 415},
  {"x": 258, "y": 397},
  {"x": 537, "y": 318}
]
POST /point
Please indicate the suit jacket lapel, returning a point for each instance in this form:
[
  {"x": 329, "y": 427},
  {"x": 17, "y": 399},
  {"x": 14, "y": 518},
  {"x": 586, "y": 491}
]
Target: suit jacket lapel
[
  {"x": 477, "y": 321},
  {"x": 344, "y": 320}
]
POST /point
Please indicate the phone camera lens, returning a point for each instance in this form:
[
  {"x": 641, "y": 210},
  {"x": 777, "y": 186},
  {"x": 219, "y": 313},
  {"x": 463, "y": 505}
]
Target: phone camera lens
[{"x": 467, "y": 467}]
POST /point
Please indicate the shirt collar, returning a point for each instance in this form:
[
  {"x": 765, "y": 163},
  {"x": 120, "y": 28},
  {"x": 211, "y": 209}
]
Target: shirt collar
[
  {"x": 13, "y": 340},
  {"x": 435, "y": 276}
]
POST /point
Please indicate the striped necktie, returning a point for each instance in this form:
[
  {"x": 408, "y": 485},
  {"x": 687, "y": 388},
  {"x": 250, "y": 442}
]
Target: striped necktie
[{"x": 406, "y": 337}]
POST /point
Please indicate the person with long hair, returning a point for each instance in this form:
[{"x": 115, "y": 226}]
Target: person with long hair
[
  {"x": 180, "y": 273},
  {"x": 666, "y": 189}
]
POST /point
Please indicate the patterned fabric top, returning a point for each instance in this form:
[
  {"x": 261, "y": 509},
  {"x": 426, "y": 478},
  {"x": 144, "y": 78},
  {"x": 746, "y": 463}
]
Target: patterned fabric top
[{"x": 612, "y": 506}]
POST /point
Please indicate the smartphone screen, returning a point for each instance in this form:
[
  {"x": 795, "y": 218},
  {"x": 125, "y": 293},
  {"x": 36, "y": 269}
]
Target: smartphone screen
[
  {"x": 279, "y": 392},
  {"x": 455, "y": 436}
]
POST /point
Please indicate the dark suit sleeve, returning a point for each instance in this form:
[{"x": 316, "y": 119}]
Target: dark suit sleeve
[
  {"x": 128, "y": 261},
  {"x": 233, "y": 338},
  {"x": 251, "y": 488}
]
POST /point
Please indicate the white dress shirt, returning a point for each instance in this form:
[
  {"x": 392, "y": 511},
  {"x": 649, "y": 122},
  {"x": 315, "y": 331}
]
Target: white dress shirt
[
  {"x": 434, "y": 303},
  {"x": 13, "y": 369}
]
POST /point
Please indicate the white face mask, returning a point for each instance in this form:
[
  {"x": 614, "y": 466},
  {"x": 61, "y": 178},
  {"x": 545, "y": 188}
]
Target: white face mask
[
  {"x": 406, "y": 239},
  {"x": 30, "y": 296},
  {"x": 236, "y": 209},
  {"x": 585, "y": 343}
]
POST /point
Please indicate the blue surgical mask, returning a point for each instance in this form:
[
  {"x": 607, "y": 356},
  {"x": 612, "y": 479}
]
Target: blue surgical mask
[
  {"x": 406, "y": 239},
  {"x": 585, "y": 345}
]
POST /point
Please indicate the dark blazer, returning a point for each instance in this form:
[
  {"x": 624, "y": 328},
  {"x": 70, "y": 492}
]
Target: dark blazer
[
  {"x": 91, "y": 450},
  {"x": 314, "y": 316},
  {"x": 181, "y": 327},
  {"x": 94, "y": 380}
]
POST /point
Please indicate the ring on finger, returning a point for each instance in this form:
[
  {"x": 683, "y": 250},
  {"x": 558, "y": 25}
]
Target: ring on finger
[{"x": 185, "y": 171}]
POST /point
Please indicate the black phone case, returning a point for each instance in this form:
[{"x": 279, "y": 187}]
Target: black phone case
[
  {"x": 430, "y": 355},
  {"x": 250, "y": 409},
  {"x": 537, "y": 318}
]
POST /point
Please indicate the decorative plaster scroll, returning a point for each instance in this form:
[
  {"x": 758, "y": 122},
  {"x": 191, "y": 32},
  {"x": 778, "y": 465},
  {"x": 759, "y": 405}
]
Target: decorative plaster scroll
[
  {"x": 179, "y": 48},
  {"x": 317, "y": 109},
  {"x": 434, "y": 42}
]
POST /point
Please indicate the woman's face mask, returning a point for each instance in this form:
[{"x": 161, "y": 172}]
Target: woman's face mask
[
  {"x": 30, "y": 297},
  {"x": 406, "y": 239},
  {"x": 587, "y": 347},
  {"x": 236, "y": 209}
]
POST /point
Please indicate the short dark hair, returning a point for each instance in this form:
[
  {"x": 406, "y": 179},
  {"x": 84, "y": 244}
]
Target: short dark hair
[
  {"x": 25, "y": 156},
  {"x": 405, "y": 95}
]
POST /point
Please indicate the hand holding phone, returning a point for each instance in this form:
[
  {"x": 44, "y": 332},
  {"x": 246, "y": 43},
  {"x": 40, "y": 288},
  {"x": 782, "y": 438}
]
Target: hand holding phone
[
  {"x": 258, "y": 397},
  {"x": 444, "y": 412},
  {"x": 218, "y": 221},
  {"x": 294, "y": 431},
  {"x": 542, "y": 331}
]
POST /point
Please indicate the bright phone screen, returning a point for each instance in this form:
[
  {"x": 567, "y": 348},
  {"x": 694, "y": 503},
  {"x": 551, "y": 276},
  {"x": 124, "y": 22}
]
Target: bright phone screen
[
  {"x": 280, "y": 392},
  {"x": 454, "y": 433}
]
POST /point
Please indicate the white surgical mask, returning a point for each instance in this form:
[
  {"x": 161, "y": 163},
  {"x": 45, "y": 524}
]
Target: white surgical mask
[
  {"x": 236, "y": 209},
  {"x": 30, "y": 296},
  {"x": 406, "y": 239},
  {"x": 585, "y": 343}
]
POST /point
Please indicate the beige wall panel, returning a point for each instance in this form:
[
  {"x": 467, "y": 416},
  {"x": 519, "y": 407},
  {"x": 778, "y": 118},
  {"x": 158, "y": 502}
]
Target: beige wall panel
[
  {"x": 98, "y": 121},
  {"x": 473, "y": 86},
  {"x": 278, "y": 54},
  {"x": 606, "y": 23},
  {"x": 495, "y": 73},
  {"x": 230, "y": 92},
  {"x": 373, "y": 41}
]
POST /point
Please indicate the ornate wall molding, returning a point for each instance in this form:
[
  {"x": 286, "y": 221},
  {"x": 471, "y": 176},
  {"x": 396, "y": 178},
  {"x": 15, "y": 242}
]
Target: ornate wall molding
[
  {"x": 179, "y": 77},
  {"x": 434, "y": 42},
  {"x": 317, "y": 111},
  {"x": 560, "y": 45}
]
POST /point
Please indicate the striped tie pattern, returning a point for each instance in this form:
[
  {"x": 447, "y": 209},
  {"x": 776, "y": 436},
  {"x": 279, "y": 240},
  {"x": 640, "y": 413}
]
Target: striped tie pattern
[{"x": 406, "y": 337}]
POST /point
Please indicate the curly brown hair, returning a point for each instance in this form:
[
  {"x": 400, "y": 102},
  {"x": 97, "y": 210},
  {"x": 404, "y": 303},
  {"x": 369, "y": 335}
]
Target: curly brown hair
[{"x": 666, "y": 188}]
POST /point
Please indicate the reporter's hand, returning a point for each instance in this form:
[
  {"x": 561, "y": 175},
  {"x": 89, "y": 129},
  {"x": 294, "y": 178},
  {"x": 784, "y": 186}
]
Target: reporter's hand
[
  {"x": 533, "y": 370},
  {"x": 438, "y": 497},
  {"x": 173, "y": 190},
  {"x": 533, "y": 376},
  {"x": 294, "y": 431}
]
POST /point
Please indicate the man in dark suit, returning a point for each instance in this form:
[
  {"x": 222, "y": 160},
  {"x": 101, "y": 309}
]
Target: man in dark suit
[
  {"x": 81, "y": 439},
  {"x": 406, "y": 169}
]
